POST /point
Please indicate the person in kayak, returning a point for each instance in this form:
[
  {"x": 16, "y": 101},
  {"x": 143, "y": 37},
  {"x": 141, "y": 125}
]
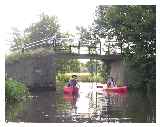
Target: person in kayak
[
  {"x": 111, "y": 82},
  {"x": 73, "y": 81}
]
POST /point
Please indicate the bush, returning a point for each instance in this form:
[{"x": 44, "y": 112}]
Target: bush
[
  {"x": 95, "y": 78},
  {"x": 15, "y": 91},
  {"x": 63, "y": 77},
  {"x": 84, "y": 78},
  {"x": 16, "y": 56}
]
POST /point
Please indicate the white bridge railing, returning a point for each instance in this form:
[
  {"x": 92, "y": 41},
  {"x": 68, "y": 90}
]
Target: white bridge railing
[{"x": 61, "y": 44}]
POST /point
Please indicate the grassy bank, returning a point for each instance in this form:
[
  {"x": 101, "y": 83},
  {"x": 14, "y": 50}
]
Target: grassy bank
[
  {"x": 15, "y": 91},
  {"x": 82, "y": 77}
]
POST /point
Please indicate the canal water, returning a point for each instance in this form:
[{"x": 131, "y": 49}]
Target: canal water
[{"x": 92, "y": 105}]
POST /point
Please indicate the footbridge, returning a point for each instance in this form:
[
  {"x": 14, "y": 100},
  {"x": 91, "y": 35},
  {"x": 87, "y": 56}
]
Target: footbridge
[{"x": 40, "y": 71}]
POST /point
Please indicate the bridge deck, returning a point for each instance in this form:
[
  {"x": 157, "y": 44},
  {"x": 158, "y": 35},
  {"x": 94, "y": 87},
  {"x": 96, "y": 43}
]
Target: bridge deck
[{"x": 87, "y": 56}]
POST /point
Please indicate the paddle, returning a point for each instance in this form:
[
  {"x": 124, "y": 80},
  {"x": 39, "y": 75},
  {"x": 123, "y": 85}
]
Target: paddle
[{"x": 77, "y": 85}]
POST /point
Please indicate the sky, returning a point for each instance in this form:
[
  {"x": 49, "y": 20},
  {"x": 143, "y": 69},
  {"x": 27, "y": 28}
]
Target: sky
[{"x": 20, "y": 14}]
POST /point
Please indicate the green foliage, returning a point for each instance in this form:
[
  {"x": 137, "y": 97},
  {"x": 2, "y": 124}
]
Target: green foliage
[
  {"x": 74, "y": 66},
  {"x": 95, "y": 78},
  {"x": 142, "y": 73},
  {"x": 47, "y": 27},
  {"x": 15, "y": 56},
  {"x": 93, "y": 66},
  {"x": 15, "y": 91},
  {"x": 88, "y": 38},
  {"x": 62, "y": 77},
  {"x": 105, "y": 72},
  {"x": 64, "y": 66},
  {"x": 83, "y": 77},
  {"x": 134, "y": 27}
]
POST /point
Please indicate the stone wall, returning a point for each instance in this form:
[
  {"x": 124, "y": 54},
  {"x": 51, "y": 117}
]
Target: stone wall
[{"x": 35, "y": 72}]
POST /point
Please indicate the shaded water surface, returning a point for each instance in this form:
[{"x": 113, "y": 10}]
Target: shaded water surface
[{"x": 91, "y": 105}]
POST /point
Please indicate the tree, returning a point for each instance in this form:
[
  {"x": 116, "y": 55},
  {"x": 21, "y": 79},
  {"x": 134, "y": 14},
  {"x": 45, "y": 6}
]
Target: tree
[
  {"x": 88, "y": 38},
  {"x": 134, "y": 27},
  {"x": 45, "y": 28},
  {"x": 93, "y": 66},
  {"x": 72, "y": 65}
]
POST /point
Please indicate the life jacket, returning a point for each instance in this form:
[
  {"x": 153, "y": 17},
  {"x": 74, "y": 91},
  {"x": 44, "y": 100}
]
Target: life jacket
[{"x": 72, "y": 82}]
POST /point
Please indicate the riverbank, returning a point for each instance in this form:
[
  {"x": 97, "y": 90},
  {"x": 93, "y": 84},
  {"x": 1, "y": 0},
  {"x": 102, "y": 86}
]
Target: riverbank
[{"x": 15, "y": 91}]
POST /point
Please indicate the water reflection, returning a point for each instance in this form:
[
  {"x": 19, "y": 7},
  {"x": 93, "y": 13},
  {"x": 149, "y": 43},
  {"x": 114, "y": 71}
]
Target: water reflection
[{"x": 91, "y": 105}]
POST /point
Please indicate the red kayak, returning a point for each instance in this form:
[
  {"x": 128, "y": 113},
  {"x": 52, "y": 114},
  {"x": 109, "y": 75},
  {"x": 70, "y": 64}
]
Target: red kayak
[
  {"x": 71, "y": 90},
  {"x": 70, "y": 98},
  {"x": 121, "y": 89}
]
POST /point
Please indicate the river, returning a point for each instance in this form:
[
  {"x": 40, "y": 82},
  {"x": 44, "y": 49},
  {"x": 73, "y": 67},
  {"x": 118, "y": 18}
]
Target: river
[{"x": 90, "y": 106}]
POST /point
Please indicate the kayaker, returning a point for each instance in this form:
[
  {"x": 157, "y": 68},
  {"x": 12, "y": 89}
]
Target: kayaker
[
  {"x": 111, "y": 82},
  {"x": 73, "y": 81}
]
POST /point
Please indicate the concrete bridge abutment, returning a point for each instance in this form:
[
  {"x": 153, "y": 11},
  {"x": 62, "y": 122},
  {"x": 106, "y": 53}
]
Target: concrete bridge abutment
[
  {"x": 35, "y": 72},
  {"x": 117, "y": 71}
]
